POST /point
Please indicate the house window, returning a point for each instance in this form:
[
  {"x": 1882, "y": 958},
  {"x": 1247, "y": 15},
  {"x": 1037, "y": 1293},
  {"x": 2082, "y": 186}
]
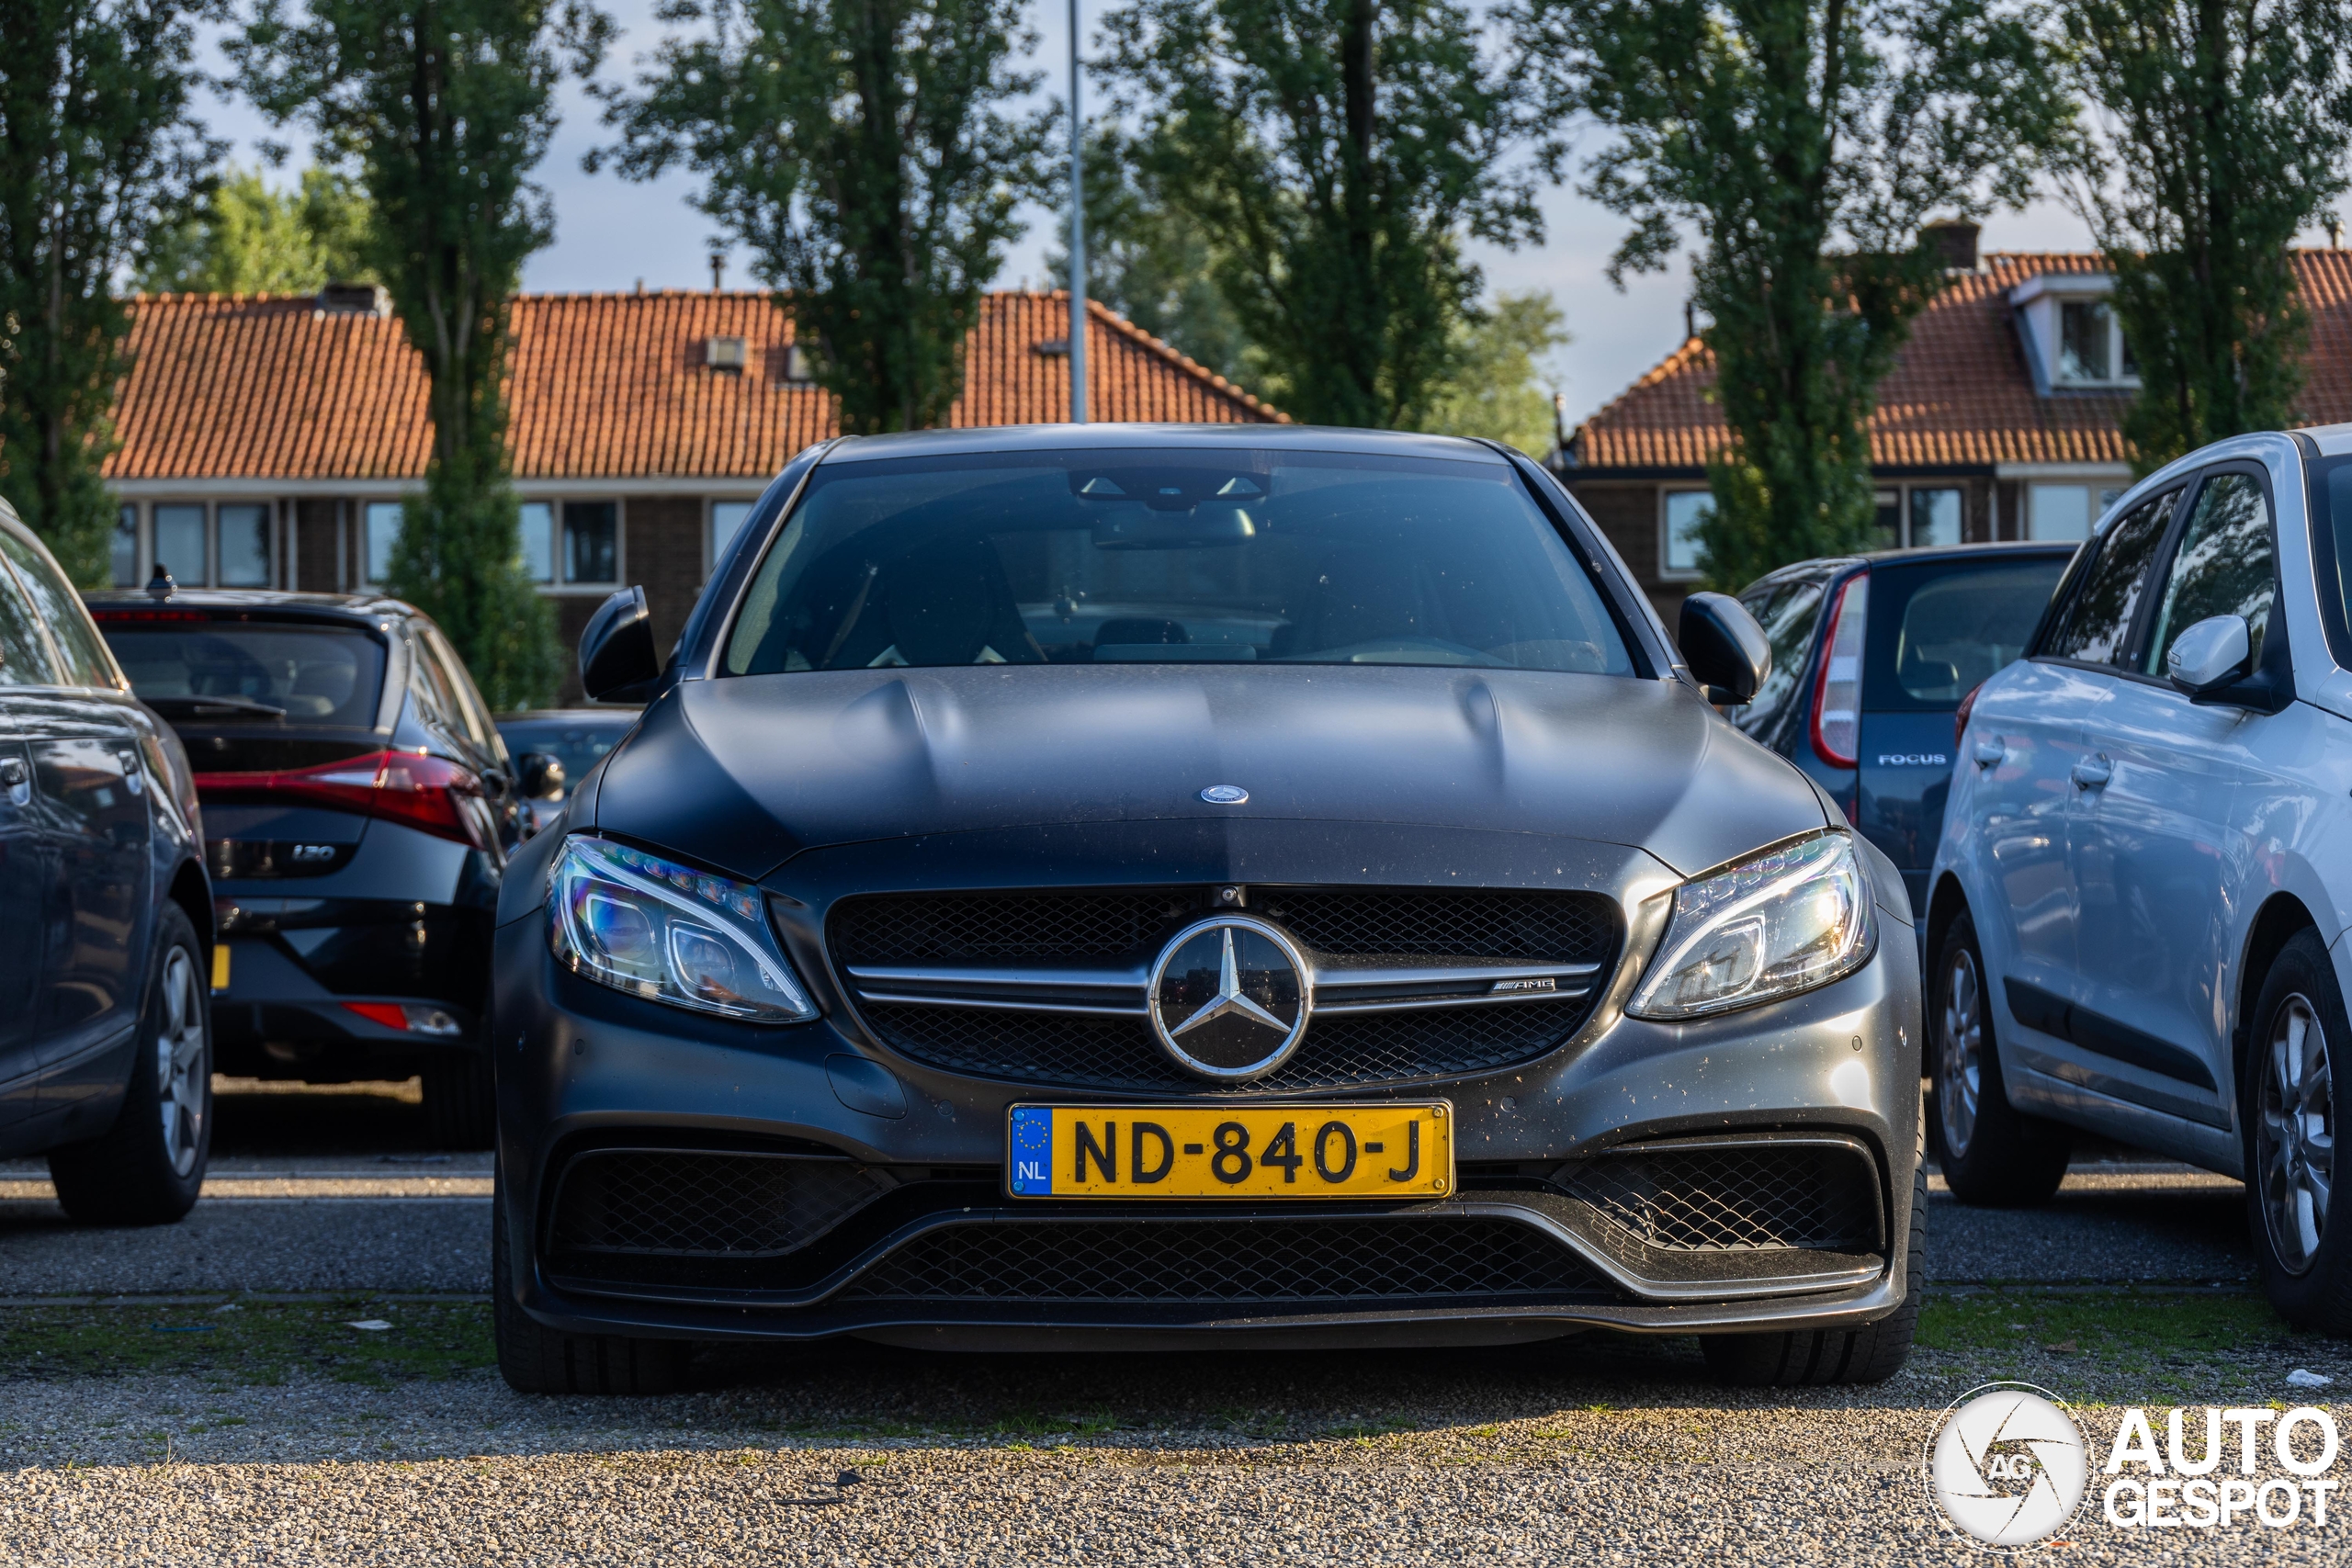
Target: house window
[
  {"x": 381, "y": 528},
  {"x": 538, "y": 541},
  {"x": 125, "y": 548},
  {"x": 727, "y": 521},
  {"x": 230, "y": 544},
  {"x": 1934, "y": 517},
  {"x": 2066, "y": 511},
  {"x": 592, "y": 532},
  {"x": 1678, "y": 546},
  {"x": 1886, "y": 521},
  {"x": 2091, "y": 349}
]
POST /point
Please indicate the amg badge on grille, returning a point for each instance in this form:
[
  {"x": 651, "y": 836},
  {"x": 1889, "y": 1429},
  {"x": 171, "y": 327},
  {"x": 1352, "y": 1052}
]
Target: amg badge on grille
[{"x": 1229, "y": 998}]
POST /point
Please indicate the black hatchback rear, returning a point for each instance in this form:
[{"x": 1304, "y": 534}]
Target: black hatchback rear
[
  {"x": 359, "y": 809},
  {"x": 1871, "y": 656}
]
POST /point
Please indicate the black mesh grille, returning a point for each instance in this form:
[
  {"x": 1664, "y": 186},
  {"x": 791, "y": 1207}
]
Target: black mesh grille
[
  {"x": 1736, "y": 1198},
  {"x": 1117, "y": 1053},
  {"x": 1227, "y": 1260},
  {"x": 1080, "y": 1052},
  {"x": 689, "y": 1203}
]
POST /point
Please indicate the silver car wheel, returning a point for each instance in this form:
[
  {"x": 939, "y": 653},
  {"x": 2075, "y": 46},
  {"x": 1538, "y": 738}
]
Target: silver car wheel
[
  {"x": 180, "y": 1075},
  {"x": 2294, "y": 1133},
  {"x": 1960, "y": 1052}
]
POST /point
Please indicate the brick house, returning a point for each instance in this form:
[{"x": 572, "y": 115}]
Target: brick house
[
  {"x": 2001, "y": 419},
  {"x": 266, "y": 441}
]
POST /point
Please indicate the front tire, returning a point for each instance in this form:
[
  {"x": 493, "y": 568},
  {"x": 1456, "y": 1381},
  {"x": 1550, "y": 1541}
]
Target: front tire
[
  {"x": 2287, "y": 1092},
  {"x": 537, "y": 1359},
  {"x": 149, "y": 1166},
  {"x": 1992, "y": 1155},
  {"x": 1806, "y": 1359}
]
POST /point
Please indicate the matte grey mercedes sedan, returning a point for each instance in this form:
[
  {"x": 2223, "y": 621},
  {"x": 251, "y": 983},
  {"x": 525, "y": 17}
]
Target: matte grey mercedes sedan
[{"x": 1187, "y": 887}]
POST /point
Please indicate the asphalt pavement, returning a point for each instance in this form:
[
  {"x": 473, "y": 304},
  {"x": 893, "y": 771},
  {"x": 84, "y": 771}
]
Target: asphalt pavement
[{"x": 1602, "y": 1448}]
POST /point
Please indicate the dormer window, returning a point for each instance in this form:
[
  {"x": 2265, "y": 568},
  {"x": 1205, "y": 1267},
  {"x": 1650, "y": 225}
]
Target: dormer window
[{"x": 2091, "y": 349}]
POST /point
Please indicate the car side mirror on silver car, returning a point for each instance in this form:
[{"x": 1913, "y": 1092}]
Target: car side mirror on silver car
[
  {"x": 1723, "y": 647},
  {"x": 2215, "y": 653}
]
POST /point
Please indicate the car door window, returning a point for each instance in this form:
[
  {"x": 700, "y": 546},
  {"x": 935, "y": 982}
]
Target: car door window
[
  {"x": 25, "y": 658},
  {"x": 2224, "y": 566},
  {"x": 70, "y": 631},
  {"x": 1788, "y": 613},
  {"x": 2096, "y": 628},
  {"x": 465, "y": 707}
]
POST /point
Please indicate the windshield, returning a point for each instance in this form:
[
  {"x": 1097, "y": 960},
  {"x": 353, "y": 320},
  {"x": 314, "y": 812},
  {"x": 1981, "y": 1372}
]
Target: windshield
[
  {"x": 233, "y": 671},
  {"x": 1171, "y": 557}
]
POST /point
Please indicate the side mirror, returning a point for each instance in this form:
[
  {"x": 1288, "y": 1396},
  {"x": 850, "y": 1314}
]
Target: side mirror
[
  {"x": 2216, "y": 652},
  {"x": 540, "y": 775},
  {"x": 1723, "y": 647},
  {"x": 617, "y": 659}
]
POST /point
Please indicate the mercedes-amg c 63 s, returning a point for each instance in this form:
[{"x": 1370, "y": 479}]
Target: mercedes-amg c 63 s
[{"x": 1193, "y": 886}]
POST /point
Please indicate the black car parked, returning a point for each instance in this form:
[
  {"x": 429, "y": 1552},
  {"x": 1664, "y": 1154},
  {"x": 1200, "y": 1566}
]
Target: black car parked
[
  {"x": 359, "y": 806},
  {"x": 106, "y": 918},
  {"x": 1871, "y": 656}
]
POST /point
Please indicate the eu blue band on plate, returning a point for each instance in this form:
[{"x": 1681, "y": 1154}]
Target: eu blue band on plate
[{"x": 1033, "y": 1151}]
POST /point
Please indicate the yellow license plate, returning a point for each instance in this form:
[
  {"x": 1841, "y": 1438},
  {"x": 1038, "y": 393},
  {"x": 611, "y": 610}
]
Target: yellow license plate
[{"x": 1257, "y": 1152}]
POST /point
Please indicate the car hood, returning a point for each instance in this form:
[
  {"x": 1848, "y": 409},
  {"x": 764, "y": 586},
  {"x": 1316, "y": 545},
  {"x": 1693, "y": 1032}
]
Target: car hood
[{"x": 743, "y": 772}]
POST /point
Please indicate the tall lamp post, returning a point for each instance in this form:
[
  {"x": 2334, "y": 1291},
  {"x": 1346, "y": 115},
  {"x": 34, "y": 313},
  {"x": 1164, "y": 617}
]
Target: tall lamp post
[{"x": 1077, "y": 237}]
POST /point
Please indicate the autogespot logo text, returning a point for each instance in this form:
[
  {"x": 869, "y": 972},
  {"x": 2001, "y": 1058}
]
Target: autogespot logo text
[{"x": 2008, "y": 1466}]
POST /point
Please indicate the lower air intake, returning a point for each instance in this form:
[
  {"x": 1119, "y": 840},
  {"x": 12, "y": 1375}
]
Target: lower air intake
[
  {"x": 1737, "y": 1197},
  {"x": 688, "y": 1203}
]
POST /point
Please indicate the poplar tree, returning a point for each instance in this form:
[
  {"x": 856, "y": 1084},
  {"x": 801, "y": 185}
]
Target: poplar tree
[
  {"x": 2226, "y": 127},
  {"x": 1338, "y": 153},
  {"x": 441, "y": 109},
  {"x": 868, "y": 154},
  {"x": 97, "y": 158},
  {"x": 1804, "y": 142}
]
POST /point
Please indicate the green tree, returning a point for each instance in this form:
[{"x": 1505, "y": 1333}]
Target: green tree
[
  {"x": 442, "y": 109},
  {"x": 1145, "y": 260},
  {"x": 1804, "y": 142},
  {"x": 1336, "y": 153},
  {"x": 97, "y": 157},
  {"x": 1497, "y": 388},
  {"x": 2227, "y": 127},
  {"x": 245, "y": 238},
  {"x": 865, "y": 154}
]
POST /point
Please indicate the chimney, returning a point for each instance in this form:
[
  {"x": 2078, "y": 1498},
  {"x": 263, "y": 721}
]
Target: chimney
[
  {"x": 717, "y": 270},
  {"x": 1955, "y": 239},
  {"x": 355, "y": 299}
]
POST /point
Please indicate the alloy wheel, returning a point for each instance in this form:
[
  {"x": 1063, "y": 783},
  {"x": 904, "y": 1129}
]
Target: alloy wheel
[
  {"x": 2294, "y": 1133},
  {"x": 180, "y": 1074},
  {"x": 1960, "y": 1052}
]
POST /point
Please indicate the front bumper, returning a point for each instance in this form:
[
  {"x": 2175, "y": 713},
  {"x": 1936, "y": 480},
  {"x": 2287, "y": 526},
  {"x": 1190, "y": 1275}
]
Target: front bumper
[{"x": 583, "y": 1067}]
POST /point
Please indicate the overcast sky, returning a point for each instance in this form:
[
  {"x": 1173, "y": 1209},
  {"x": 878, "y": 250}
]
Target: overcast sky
[{"x": 610, "y": 232}]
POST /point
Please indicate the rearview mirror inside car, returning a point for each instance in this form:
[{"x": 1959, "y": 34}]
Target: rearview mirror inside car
[
  {"x": 617, "y": 663},
  {"x": 2215, "y": 653},
  {"x": 1723, "y": 647}
]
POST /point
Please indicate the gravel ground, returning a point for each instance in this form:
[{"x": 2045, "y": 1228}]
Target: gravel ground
[{"x": 1603, "y": 1449}]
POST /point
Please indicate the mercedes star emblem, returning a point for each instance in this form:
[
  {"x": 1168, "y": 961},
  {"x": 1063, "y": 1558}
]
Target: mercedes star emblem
[
  {"x": 1229, "y": 998},
  {"x": 1225, "y": 794}
]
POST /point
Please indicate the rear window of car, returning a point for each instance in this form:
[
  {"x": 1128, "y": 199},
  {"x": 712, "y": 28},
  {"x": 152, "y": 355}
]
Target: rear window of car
[
  {"x": 1937, "y": 630},
  {"x": 578, "y": 744},
  {"x": 1172, "y": 556},
  {"x": 249, "y": 671}
]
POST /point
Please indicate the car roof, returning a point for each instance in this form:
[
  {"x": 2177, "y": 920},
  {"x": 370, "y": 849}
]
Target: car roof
[
  {"x": 623, "y": 714},
  {"x": 1169, "y": 437},
  {"x": 360, "y": 609},
  {"x": 1994, "y": 548}
]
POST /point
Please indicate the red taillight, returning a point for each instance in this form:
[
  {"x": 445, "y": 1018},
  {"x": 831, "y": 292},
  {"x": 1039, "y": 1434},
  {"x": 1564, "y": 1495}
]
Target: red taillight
[
  {"x": 1837, "y": 690},
  {"x": 392, "y": 1015},
  {"x": 425, "y": 793},
  {"x": 1960, "y": 719}
]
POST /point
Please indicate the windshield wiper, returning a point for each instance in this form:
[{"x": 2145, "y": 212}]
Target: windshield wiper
[{"x": 197, "y": 706}]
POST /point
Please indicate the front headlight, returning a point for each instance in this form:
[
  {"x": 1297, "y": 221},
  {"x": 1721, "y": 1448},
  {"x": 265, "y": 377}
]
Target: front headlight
[
  {"x": 664, "y": 931},
  {"x": 1767, "y": 928}
]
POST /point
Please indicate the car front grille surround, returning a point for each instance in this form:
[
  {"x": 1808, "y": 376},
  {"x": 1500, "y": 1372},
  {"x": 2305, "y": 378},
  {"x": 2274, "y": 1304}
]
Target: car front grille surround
[{"x": 1049, "y": 989}]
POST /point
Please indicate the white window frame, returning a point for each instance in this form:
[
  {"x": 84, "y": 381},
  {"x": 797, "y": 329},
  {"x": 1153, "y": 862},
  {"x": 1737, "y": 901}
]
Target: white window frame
[
  {"x": 210, "y": 507},
  {"x": 563, "y": 585},
  {"x": 1666, "y": 571},
  {"x": 1907, "y": 487},
  {"x": 363, "y": 580}
]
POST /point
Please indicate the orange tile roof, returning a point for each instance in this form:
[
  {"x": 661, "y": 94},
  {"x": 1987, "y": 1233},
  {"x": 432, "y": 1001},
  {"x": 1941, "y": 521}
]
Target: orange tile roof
[
  {"x": 604, "y": 386},
  {"x": 1961, "y": 393}
]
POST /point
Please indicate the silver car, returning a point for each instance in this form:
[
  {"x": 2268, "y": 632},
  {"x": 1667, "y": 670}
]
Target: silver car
[{"x": 2135, "y": 918}]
